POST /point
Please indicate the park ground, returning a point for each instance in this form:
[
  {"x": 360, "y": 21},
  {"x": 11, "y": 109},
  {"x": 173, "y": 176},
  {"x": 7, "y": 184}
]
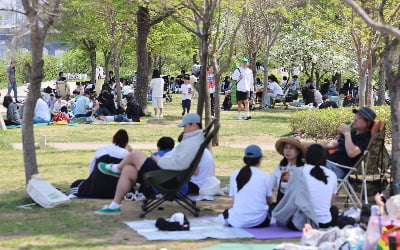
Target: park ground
[{"x": 69, "y": 150}]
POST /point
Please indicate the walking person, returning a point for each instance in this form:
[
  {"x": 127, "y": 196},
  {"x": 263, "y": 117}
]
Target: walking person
[
  {"x": 244, "y": 78},
  {"x": 186, "y": 90},
  {"x": 211, "y": 88},
  {"x": 11, "y": 80}
]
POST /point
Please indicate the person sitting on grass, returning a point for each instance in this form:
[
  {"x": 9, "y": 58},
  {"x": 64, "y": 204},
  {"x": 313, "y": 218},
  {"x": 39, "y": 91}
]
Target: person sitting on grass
[
  {"x": 14, "y": 116},
  {"x": 293, "y": 153},
  {"x": 352, "y": 142},
  {"x": 205, "y": 170},
  {"x": 251, "y": 193},
  {"x": 133, "y": 112},
  {"x": 137, "y": 163},
  {"x": 309, "y": 196},
  {"x": 42, "y": 112},
  {"x": 99, "y": 185}
]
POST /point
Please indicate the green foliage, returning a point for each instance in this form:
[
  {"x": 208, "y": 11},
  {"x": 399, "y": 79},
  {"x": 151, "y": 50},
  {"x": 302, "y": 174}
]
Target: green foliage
[
  {"x": 323, "y": 123},
  {"x": 75, "y": 61}
]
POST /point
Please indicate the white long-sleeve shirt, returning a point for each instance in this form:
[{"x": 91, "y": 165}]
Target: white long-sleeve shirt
[
  {"x": 182, "y": 155},
  {"x": 245, "y": 84}
]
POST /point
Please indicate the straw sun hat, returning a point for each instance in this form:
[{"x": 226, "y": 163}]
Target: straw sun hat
[{"x": 282, "y": 141}]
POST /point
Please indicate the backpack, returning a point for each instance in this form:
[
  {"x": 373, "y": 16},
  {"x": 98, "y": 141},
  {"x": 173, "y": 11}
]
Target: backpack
[{"x": 60, "y": 117}]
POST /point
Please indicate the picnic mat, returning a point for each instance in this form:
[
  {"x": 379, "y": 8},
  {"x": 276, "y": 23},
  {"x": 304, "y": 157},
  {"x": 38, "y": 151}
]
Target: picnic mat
[
  {"x": 200, "y": 228},
  {"x": 234, "y": 246},
  {"x": 273, "y": 232},
  {"x": 98, "y": 122},
  {"x": 42, "y": 124}
]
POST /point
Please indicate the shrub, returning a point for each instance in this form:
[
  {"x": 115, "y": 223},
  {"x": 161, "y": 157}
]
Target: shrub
[{"x": 323, "y": 123}]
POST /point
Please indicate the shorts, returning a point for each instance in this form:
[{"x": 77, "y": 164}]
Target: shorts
[
  {"x": 242, "y": 96},
  {"x": 148, "y": 166},
  {"x": 157, "y": 102}
]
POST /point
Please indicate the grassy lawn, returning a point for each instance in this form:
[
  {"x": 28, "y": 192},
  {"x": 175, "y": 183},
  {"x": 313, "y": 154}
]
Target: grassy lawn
[{"x": 75, "y": 226}]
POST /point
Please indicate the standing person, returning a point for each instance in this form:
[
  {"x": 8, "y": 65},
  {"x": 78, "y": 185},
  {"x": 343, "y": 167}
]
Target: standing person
[
  {"x": 249, "y": 187},
  {"x": 186, "y": 90},
  {"x": 273, "y": 90},
  {"x": 12, "y": 80},
  {"x": 61, "y": 77},
  {"x": 157, "y": 87},
  {"x": 99, "y": 71},
  {"x": 244, "y": 78},
  {"x": 211, "y": 88}
]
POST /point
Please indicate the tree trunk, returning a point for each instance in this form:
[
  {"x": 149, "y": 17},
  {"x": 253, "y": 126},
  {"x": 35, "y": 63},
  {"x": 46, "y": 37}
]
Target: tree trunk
[
  {"x": 142, "y": 55},
  {"x": 36, "y": 75},
  {"x": 381, "y": 85},
  {"x": 266, "y": 61},
  {"x": 394, "y": 87},
  {"x": 93, "y": 64},
  {"x": 369, "y": 100},
  {"x": 361, "y": 89},
  {"x": 107, "y": 56},
  {"x": 117, "y": 63},
  {"x": 217, "y": 79},
  {"x": 338, "y": 78},
  {"x": 204, "y": 97}
]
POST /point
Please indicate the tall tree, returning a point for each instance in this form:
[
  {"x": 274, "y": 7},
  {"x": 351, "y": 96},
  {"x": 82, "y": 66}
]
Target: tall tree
[
  {"x": 40, "y": 15},
  {"x": 197, "y": 16},
  {"x": 147, "y": 16},
  {"x": 383, "y": 26}
]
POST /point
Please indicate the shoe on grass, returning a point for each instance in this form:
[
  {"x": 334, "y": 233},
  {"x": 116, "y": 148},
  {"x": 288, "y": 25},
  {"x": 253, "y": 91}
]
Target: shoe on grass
[
  {"x": 108, "y": 211},
  {"x": 107, "y": 169}
]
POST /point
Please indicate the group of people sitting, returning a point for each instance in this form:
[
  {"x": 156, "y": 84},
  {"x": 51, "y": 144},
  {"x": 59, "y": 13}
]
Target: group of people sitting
[
  {"x": 305, "y": 180},
  {"x": 115, "y": 169}
]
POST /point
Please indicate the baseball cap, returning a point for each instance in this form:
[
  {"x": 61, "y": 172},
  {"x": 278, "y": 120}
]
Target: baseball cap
[
  {"x": 253, "y": 151},
  {"x": 366, "y": 112},
  {"x": 245, "y": 60},
  {"x": 189, "y": 118}
]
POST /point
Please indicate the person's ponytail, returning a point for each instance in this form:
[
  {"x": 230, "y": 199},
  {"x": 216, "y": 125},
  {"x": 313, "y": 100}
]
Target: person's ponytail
[
  {"x": 245, "y": 172},
  {"x": 316, "y": 155}
]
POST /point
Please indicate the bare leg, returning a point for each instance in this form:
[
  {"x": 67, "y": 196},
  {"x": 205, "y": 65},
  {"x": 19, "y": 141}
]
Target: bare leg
[
  {"x": 126, "y": 180},
  {"x": 161, "y": 111},
  {"x": 246, "y": 105},
  {"x": 135, "y": 158},
  {"x": 155, "y": 111},
  {"x": 239, "y": 106}
]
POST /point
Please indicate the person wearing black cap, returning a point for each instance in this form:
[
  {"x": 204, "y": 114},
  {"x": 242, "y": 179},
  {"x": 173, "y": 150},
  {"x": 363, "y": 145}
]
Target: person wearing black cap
[
  {"x": 251, "y": 193},
  {"x": 353, "y": 141}
]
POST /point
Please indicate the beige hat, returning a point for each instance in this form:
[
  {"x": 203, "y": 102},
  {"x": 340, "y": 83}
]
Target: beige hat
[{"x": 282, "y": 141}]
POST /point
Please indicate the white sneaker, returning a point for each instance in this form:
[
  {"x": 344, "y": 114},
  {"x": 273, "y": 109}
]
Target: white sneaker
[
  {"x": 239, "y": 117},
  {"x": 161, "y": 116},
  {"x": 153, "y": 116}
]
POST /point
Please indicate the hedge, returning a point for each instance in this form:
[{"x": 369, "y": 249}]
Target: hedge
[{"x": 323, "y": 123}]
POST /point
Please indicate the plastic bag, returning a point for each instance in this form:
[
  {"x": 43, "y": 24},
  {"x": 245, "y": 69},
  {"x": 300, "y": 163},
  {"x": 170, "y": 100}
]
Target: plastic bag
[
  {"x": 44, "y": 194},
  {"x": 212, "y": 186}
]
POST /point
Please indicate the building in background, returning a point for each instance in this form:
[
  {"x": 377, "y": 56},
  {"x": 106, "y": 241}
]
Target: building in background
[{"x": 14, "y": 33}]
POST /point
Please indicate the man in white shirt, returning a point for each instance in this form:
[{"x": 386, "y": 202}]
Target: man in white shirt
[
  {"x": 196, "y": 69},
  {"x": 205, "y": 169},
  {"x": 245, "y": 80},
  {"x": 317, "y": 96},
  {"x": 294, "y": 83},
  {"x": 273, "y": 91},
  {"x": 42, "y": 112},
  {"x": 186, "y": 90}
]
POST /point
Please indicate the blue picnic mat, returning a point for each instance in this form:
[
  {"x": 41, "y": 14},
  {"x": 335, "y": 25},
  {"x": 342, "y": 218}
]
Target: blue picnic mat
[{"x": 237, "y": 246}]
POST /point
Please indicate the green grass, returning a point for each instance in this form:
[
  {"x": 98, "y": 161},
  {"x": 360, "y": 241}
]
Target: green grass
[{"x": 75, "y": 226}]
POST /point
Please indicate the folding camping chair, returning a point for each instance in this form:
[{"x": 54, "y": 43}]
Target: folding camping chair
[
  {"x": 374, "y": 160},
  {"x": 159, "y": 177}
]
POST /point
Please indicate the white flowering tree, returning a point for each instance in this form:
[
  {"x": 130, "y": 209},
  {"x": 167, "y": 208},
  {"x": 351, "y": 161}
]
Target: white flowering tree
[{"x": 318, "y": 56}]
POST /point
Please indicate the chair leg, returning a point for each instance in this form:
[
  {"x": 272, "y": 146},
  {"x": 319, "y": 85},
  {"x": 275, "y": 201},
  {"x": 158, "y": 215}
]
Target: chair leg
[
  {"x": 152, "y": 205},
  {"x": 352, "y": 195}
]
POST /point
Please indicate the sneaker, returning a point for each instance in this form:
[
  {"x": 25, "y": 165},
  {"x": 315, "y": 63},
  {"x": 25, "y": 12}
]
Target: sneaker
[
  {"x": 108, "y": 211},
  {"x": 239, "y": 117},
  {"x": 153, "y": 115},
  {"x": 107, "y": 169},
  {"x": 161, "y": 116},
  {"x": 248, "y": 118},
  {"x": 183, "y": 113}
]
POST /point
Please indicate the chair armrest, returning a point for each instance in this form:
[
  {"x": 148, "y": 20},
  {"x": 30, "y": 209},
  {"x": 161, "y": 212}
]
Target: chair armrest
[
  {"x": 160, "y": 176},
  {"x": 343, "y": 166}
]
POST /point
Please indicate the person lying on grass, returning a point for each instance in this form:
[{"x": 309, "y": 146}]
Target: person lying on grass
[
  {"x": 137, "y": 163},
  {"x": 251, "y": 193}
]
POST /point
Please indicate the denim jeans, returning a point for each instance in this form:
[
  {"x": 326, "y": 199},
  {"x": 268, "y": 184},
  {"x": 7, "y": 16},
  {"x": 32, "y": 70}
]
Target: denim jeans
[
  {"x": 13, "y": 86},
  {"x": 39, "y": 120},
  {"x": 340, "y": 172}
]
